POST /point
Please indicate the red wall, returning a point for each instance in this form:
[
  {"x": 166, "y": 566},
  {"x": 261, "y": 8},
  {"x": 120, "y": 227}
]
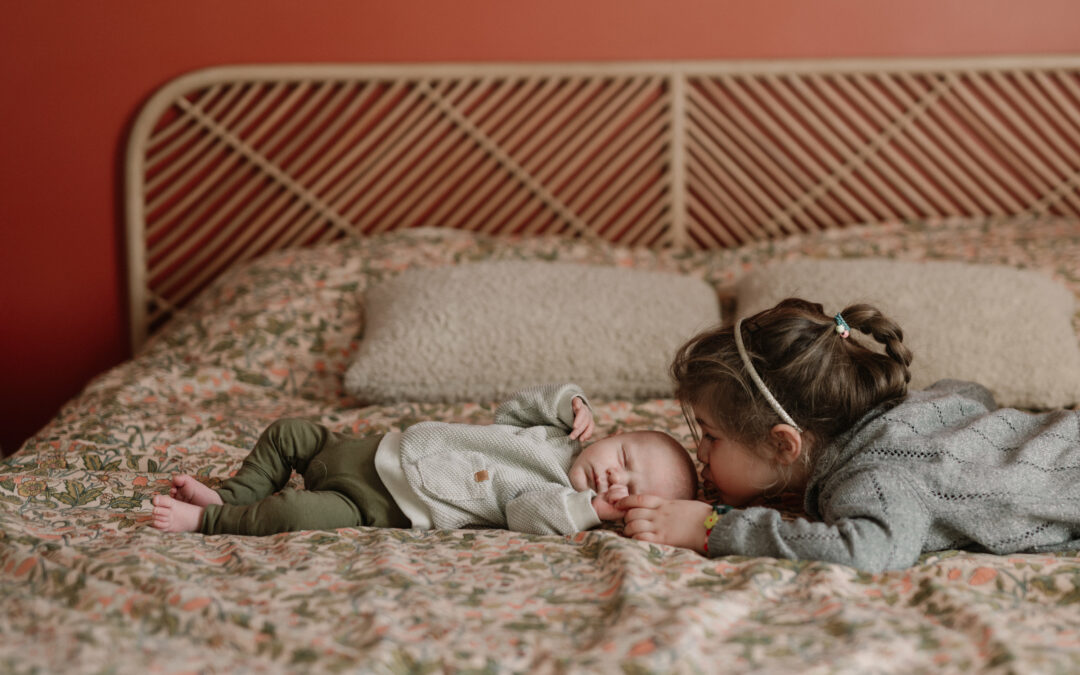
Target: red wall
[{"x": 73, "y": 72}]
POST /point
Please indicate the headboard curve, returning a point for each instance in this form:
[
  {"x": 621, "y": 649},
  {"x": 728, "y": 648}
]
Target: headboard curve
[{"x": 227, "y": 163}]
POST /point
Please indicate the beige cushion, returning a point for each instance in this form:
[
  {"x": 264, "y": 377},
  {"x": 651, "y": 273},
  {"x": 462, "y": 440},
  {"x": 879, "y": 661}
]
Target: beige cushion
[
  {"x": 1005, "y": 328},
  {"x": 479, "y": 332}
]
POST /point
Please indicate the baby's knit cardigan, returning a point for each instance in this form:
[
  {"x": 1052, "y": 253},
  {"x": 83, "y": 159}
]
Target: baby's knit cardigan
[
  {"x": 944, "y": 469},
  {"x": 512, "y": 473}
]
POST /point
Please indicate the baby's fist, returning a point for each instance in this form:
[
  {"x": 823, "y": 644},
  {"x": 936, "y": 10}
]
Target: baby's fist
[{"x": 615, "y": 493}]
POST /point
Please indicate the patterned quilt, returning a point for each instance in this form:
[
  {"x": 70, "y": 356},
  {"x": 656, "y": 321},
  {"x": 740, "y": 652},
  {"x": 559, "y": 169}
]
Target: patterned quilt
[{"x": 87, "y": 586}]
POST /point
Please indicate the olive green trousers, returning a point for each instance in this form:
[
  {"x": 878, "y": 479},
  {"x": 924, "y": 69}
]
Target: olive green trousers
[{"x": 342, "y": 488}]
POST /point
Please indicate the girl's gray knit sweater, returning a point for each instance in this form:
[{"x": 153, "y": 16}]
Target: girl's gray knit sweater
[{"x": 944, "y": 469}]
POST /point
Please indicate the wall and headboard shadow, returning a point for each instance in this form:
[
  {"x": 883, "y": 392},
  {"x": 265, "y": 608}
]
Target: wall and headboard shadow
[{"x": 81, "y": 71}]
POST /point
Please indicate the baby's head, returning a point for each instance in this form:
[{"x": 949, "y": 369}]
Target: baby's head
[
  {"x": 822, "y": 379},
  {"x": 637, "y": 462}
]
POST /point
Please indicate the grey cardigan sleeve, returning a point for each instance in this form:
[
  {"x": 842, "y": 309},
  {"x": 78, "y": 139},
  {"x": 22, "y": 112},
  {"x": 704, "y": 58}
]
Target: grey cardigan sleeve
[
  {"x": 541, "y": 405},
  {"x": 872, "y": 522}
]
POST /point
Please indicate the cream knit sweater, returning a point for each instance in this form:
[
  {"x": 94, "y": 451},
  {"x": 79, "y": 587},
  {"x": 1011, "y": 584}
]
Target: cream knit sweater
[{"x": 511, "y": 474}]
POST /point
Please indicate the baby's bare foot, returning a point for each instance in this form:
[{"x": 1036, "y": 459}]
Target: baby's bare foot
[
  {"x": 187, "y": 489},
  {"x": 172, "y": 515}
]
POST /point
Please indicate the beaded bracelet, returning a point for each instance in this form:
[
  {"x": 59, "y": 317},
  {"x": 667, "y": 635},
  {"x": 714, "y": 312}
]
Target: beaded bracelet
[{"x": 712, "y": 519}]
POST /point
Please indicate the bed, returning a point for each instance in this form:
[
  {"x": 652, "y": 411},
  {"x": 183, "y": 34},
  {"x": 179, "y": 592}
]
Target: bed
[{"x": 264, "y": 202}]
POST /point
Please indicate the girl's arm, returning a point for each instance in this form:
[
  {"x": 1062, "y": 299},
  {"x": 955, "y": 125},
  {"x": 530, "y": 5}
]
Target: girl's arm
[{"x": 872, "y": 522}]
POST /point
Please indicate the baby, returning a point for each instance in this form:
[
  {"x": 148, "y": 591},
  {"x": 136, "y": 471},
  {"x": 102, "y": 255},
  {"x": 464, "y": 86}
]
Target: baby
[{"x": 525, "y": 472}]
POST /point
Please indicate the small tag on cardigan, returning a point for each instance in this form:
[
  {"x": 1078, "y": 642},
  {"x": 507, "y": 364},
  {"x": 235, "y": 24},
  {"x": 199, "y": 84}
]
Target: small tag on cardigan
[{"x": 481, "y": 476}]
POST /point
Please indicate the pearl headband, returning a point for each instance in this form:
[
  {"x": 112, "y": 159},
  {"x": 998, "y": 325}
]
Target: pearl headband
[{"x": 757, "y": 378}]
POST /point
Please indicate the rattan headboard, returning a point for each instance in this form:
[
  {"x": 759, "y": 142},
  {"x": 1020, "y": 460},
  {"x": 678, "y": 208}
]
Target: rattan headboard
[{"x": 227, "y": 163}]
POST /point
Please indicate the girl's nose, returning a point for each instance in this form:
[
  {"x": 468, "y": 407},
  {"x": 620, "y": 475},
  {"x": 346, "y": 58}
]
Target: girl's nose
[{"x": 614, "y": 476}]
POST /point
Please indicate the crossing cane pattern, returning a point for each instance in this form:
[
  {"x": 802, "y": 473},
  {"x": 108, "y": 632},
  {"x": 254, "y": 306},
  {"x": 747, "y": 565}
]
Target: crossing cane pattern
[{"x": 230, "y": 163}]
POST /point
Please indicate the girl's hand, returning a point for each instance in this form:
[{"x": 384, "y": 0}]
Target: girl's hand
[
  {"x": 677, "y": 522},
  {"x": 583, "y": 420}
]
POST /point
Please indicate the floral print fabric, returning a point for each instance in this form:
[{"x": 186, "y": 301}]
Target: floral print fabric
[{"x": 87, "y": 586}]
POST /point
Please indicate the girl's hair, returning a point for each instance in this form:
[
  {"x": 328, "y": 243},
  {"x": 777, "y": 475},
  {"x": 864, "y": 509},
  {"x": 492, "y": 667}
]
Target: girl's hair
[{"x": 823, "y": 381}]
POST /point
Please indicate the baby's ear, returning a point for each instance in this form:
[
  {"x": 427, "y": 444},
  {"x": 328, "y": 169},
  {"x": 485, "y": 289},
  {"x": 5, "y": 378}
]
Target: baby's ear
[{"x": 787, "y": 442}]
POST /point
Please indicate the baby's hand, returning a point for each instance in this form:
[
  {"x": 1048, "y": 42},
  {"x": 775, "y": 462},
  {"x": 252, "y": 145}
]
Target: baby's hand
[
  {"x": 606, "y": 504},
  {"x": 615, "y": 493},
  {"x": 583, "y": 420},
  {"x": 606, "y": 510},
  {"x": 678, "y": 522}
]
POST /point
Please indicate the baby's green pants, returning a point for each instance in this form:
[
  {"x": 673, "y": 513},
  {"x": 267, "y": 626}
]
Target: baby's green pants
[{"x": 342, "y": 487}]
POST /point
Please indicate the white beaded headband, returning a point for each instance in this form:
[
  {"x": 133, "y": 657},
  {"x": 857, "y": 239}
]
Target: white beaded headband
[{"x": 757, "y": 378}]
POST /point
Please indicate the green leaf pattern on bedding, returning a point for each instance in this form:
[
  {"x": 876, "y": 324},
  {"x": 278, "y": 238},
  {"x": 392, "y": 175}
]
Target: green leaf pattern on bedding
[{"x": 87, "y": 586}]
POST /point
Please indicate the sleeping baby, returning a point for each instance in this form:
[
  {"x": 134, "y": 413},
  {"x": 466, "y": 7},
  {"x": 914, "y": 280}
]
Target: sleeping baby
[{"x": 526, "y": 472}]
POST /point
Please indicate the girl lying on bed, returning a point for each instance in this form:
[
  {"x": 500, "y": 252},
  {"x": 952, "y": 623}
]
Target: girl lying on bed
[
  {"x": 526, "y": 472},
  {"x": 785, "y": 400}
]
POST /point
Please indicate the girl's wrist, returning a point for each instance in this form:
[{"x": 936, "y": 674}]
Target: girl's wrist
[{"x": 717, "y": 512}]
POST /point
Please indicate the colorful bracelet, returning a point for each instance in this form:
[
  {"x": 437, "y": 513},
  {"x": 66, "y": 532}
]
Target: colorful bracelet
[{"x": 712, "y": 519}]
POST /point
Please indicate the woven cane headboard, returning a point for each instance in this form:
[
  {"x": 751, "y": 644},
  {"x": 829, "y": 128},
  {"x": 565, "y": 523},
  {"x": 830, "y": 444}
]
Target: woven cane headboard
[{"x": 227, "y": 163}]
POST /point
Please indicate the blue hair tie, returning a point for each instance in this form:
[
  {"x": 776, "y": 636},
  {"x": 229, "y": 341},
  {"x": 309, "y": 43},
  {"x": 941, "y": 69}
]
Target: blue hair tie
[{"x": 841, "y": 326}]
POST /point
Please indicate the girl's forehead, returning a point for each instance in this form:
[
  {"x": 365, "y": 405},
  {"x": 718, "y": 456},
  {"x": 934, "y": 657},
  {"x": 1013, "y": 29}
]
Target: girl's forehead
[{"x": 702, "y": 415}]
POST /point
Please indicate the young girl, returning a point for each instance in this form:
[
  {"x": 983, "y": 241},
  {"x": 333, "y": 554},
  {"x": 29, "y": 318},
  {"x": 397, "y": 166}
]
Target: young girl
[{"x": 786, "y": 400}]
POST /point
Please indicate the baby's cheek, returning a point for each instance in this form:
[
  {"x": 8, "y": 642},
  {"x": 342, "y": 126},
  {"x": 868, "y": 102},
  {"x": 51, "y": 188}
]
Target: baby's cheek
[{"x": 575, "y": 479}]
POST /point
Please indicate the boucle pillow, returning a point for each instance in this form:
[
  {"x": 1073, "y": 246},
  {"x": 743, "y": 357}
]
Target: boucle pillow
[
  {"x": 479, "y": 332},
  {"x": 1005, "y": 328}
]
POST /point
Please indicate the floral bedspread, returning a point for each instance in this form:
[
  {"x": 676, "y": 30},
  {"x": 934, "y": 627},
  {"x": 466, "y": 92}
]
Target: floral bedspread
[{"x": 87, "y": 586}]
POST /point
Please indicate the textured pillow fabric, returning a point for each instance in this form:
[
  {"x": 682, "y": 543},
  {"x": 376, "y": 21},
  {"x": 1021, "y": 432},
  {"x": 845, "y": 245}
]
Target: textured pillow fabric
[
  {"x": 1005, "y": 328},
  {"x": 479, "y": 332}
]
